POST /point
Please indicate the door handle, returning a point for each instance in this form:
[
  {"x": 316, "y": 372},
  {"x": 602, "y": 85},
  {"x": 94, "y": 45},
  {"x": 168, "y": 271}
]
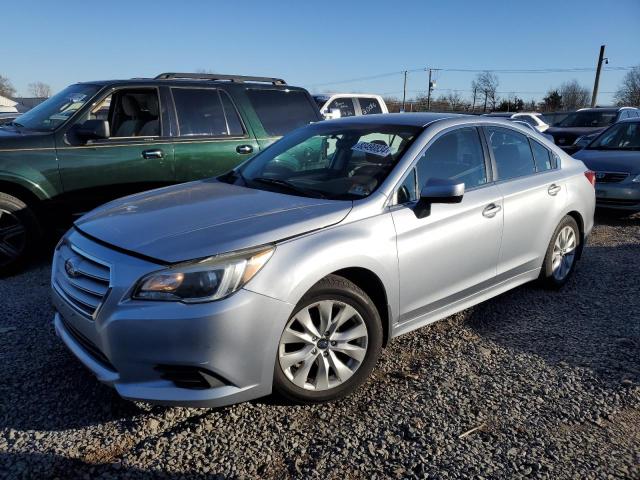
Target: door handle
[
  {"x": 553, "y": 189},
  {"x": 244, "y": 149},
  {"x": 152, "y": 154},
  {"x": 491, "y": 210}
]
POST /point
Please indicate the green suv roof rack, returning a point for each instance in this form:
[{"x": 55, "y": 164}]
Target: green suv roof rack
[{"x": 216, "y": 76}]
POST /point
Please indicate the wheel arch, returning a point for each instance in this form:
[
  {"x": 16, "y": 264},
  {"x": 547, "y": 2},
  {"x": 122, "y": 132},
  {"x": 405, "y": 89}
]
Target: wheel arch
[{"x": 580, "y": 221}]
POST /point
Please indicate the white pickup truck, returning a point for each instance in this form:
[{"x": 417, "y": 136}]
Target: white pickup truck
[{"x": 336, "y": 105}]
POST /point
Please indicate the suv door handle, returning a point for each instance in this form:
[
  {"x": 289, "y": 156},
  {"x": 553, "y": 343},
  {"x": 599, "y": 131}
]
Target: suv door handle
[
  {"x": 244, "y": 149},
  {"x": 553, "y": 189},
  {"x": 152, "y": 154},
  {"x": 491, "y": 210}
]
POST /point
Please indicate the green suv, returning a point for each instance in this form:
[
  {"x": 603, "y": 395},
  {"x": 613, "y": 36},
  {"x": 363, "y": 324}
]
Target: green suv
[{"x": 97, "y": 141}]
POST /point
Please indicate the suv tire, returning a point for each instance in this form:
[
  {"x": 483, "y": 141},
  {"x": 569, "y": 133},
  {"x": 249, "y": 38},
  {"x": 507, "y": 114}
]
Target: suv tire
[{"x": 19, "y": 233}]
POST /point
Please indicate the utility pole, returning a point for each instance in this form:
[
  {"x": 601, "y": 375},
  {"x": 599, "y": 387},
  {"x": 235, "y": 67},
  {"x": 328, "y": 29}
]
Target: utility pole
[
  {"x": 473, "y": 106},
  {"x": 596, "y": 84},
  {"x": 430, "y": 87},
  {"x": 404, "y": 90}
]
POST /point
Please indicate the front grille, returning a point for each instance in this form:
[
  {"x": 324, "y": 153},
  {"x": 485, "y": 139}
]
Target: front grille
[
  {"x": 610, "y": 177},
  {"x": 88, "y": 346},
  {"x": 616, "y": 202},
  {"x": 83, "y": 280}
]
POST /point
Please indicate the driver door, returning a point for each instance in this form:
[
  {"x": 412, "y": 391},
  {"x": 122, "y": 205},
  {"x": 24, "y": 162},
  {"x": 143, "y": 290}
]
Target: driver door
[
  {"x": 136, "y": 156},
  {"x": 453, "y": 252}
]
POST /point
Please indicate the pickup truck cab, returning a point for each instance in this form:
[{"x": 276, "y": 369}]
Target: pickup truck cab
[
  {"x": 97, "y": 141},
  {"x": 338, "y": 105}
]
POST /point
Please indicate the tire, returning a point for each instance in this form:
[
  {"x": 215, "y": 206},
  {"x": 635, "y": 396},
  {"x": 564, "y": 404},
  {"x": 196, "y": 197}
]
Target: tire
[
  {"x": 19, "y": 233},
  {"x": 565, "y": 238},
  {"x": 354, "y": 313}
]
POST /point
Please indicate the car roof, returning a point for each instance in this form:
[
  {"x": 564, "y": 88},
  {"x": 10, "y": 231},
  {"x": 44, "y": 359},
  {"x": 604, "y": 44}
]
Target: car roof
[
  {"x": 156, "y": 82},
  {"x": 605, "y": 109},
  {"x": 420, "y": 119}
]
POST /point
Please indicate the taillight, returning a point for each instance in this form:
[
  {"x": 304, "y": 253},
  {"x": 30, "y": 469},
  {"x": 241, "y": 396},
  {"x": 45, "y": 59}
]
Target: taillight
[{"x": 591, "y": 176}]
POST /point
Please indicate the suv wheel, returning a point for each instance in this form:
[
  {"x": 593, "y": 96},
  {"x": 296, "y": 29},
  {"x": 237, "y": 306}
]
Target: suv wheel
[
  {"x": 330, "y": 344},
  {"x": 18, "y": 232},
  {"x": 562, "y": 254}
]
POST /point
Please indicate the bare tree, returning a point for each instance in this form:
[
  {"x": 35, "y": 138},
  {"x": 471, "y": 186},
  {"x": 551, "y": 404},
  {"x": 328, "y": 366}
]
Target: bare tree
[
  {"x": 574, "y": 95},
  {"x": 455, "y": 100},
  {"x": 6, "y": 87},
  {"x": 39, "y": 89},
  {"x": 486, "y": 86},
  {"x": 629, "y": 92}
]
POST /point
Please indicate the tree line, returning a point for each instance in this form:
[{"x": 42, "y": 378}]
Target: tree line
[
  {"x": 570, "y": 95},
  {"x": 36, "y": 89}
]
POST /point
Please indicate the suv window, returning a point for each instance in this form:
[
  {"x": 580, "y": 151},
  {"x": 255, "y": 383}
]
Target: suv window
[
  {"x": 369, "y": 106},
  {"x": 511, "y": 152},
  {"x": 542, "y": 156},
  {"x": 456, "y": 155},
  {"x": 281, "y": 111},
  {"x": 199, "y": 112},
  {"x": 345, "y": 105},
  {"x": 233, "y": 119}
]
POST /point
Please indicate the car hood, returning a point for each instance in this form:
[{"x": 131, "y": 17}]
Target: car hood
[
  {"x": 610, "y": 160},
  {"x": 206, "y": 218},
  {"x": 14, "y": 139}
]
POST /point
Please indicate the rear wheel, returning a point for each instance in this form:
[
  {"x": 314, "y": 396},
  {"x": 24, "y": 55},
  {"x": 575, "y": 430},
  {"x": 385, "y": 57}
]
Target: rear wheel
[
  {"x": 330, "y": 344},
  {"x": 562, "y": 254},
  {"x": 19, "y": 232}
]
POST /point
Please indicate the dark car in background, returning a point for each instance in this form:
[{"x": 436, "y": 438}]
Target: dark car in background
[
  {"x": 554, "y": 118},
  {"x": 585, "y": 122},
  {"x": 615, "y": 157},
  {"x": 97, "y": 141}
]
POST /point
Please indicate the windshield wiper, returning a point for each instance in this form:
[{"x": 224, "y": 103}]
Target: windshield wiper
[{"x": 288, "y": 185}]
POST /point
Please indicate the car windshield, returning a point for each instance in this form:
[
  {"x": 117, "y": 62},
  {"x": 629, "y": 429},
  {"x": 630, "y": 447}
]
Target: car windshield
[
  {"x": 588, "y": 119},
  {"x": 341, "y": 162},
  {"x": 57, "y": 109},
  {"x": 621, "y": 136}
]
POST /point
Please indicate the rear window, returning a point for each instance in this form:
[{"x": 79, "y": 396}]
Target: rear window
[
  {"x": 369, "y": 106},
  {"x": 281, "y": 111}
]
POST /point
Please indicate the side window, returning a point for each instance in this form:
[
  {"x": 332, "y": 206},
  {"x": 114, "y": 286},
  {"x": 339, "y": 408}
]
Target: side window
[
  {"x": 281, "y": 111},
  {"x": 528, "y": 119},
  {"x": 511, "y": 152},
  {"x": 130, "y": 113},
  {"x": 233, "y": 119},
  {"x": 345, "y": 105},
  {"x": 456, "y": 155},
  {"x": 369, "y": 106},
  {"x": 199, "y": 112},
  {"x": 541, "y": 156}
]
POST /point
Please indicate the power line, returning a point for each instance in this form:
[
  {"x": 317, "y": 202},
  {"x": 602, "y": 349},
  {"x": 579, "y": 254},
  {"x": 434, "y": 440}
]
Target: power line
[{"x": 473, "y": 70}]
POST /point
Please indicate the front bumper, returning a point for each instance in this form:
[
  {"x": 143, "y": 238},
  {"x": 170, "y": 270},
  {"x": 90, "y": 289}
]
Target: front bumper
[
  {"x": 126, "y": 341},
  {"x": 619, "y": 196}
]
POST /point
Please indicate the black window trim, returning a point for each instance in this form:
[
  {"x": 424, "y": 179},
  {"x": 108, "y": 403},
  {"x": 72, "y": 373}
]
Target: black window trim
[
  {"x": 217, "y": 89},
  {"x": 488, "y": 164}
]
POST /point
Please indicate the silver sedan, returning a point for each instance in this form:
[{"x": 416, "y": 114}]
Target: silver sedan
[{"x": 293, "y": 271}]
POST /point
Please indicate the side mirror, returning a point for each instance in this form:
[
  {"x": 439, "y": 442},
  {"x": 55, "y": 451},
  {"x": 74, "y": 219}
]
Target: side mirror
[
  {"x": 332, "y": 114},
  {"x": 93, "y": 130},
  {"x": 438, "y": 190}
]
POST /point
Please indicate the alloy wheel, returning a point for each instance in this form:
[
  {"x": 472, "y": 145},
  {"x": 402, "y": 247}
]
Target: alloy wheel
[
  {"x": 564, "y": 252},
  {"x": 323, "y": 345},
  {"x": 13, "y": 237}
]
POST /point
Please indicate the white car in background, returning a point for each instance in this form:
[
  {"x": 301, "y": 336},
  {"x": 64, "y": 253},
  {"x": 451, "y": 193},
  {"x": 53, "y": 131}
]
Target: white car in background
[
  {"x": 337, "y": 105},
  {"x": 532, "y": 118}
]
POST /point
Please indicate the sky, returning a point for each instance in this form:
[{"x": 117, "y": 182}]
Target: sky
[{"x": 319, "y": 45}]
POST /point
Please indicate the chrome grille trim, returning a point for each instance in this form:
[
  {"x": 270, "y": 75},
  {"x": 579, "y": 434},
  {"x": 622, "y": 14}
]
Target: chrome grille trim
[
  {"x": 86, "y": 287},
  {"x": 610, "y": 177}
]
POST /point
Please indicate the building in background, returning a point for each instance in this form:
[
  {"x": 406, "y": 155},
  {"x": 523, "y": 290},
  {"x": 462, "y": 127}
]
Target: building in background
[{"x": 7, "y": 105}]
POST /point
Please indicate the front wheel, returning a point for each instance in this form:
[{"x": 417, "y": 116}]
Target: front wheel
[
  {"x": 19, "y": 231},
  {"x": 330, "y": 344},
  {"x": 562, "y": 254}
]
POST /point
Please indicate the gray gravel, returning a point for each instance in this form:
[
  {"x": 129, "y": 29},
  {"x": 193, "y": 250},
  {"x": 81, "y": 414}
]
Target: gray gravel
[{"x": 547, "y": 384}]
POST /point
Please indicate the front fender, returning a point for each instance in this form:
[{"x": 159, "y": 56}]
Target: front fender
[{"x": 299, "y": 263}]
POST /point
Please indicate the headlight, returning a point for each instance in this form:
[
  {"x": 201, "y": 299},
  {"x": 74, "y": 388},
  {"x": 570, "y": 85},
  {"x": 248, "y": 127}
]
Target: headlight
[
  {"x": 203, "y": 280},
  {"x": 636, "y": 179}
]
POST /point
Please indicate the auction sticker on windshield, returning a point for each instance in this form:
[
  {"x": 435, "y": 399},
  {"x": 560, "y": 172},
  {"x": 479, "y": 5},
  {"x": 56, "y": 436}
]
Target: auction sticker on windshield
[{"x": 372, "y": 148}]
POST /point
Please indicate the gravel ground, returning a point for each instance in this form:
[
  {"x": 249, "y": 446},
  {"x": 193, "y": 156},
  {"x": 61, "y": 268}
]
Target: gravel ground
[{"x": 529, "y": 384}]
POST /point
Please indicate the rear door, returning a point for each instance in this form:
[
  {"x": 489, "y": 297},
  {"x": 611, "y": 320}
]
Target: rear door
[
  {"x": 534, "y": 195},
  {"x": 369, "y": 106},
  {"x": 211, "y": 137}
]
